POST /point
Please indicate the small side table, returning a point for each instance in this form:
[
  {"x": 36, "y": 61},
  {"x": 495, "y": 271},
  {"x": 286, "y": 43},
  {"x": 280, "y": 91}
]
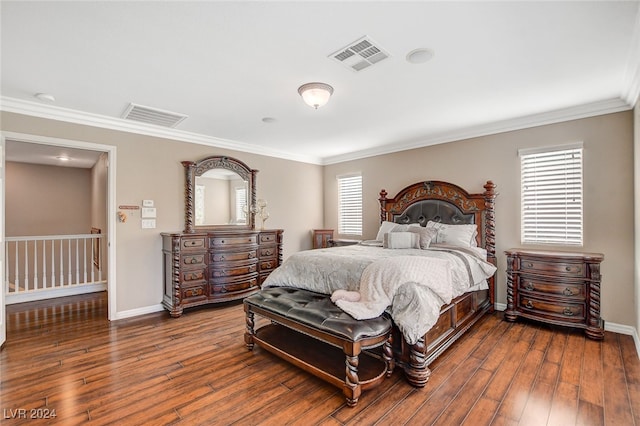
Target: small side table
[{"x": 322, "y": 238}]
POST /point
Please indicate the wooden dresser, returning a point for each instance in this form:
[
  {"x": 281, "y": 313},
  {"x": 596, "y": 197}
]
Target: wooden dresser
[
  {"x": 217, "y": 265},
  {"x": 556, "y": 287}
]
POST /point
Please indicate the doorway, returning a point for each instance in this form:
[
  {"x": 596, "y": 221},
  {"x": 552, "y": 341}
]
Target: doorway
[{"x": 39, "y": 148}]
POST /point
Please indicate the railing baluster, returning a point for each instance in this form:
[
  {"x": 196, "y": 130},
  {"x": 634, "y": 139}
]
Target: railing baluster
[
  {"x": 16, "y": 281},
  {"x": 69, "y": 258},
  {"x": 26, "y": 266},
  {"x": 53, "y": 263},
  {"x": 77, "y": 262},
  {"x": 61, "y": 267},
  {"x": 35, "y": 265},
  {"x": 84, "y": 257},
  {"x": 44, "y": 264}
]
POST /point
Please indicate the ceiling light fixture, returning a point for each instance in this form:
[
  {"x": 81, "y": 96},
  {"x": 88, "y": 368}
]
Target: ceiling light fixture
[
  {"x": 62, "y": 158},
  {"x": 420, "y": 56},
  {"x": 315, "y": 94}
]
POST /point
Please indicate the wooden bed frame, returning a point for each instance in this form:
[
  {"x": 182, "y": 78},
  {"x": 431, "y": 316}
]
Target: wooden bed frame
[{"x": 446, "y": 203}]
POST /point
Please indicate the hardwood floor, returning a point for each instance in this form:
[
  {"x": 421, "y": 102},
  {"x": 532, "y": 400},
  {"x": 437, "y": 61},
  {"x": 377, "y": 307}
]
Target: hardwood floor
[{"x": 64, "y": 355}]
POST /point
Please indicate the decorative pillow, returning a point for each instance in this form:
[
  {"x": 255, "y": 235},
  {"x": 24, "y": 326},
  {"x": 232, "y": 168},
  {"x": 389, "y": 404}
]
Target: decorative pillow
[
  {"x": 401, "y": 240},
  {"x": 456, "y": 235},
  {"x": 386, "y": 227},
  {"x": 426, "y": 235}
]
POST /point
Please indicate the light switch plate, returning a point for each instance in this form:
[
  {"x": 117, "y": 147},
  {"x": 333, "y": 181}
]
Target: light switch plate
[
  {"x": 148, "y": 212},
  {"x": 147, "y": 203},
  {"x": 148, "y": 223}
]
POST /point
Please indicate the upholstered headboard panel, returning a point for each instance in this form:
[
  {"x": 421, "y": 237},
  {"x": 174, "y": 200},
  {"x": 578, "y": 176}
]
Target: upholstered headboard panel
[{"x": 435, "y": 210}]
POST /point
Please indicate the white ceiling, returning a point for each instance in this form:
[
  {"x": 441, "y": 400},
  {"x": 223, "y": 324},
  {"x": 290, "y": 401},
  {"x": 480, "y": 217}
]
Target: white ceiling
[{"x": 227, "y": 65}]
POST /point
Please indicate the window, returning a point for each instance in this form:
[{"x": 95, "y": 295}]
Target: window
[
  {"x": 350, "y": 204},
  {"x": 241, "y": 205},
  {"x": 199, "y": 203},
  {"x": 551, "y": 181}
]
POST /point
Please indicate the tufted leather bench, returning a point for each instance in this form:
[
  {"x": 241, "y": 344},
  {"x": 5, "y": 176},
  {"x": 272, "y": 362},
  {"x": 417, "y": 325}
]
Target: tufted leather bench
[{"x": 310, "y": 331}]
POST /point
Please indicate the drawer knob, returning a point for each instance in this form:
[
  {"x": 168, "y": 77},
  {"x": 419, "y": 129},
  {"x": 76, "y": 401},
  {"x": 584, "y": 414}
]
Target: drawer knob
[
  {"x": 529, "y": 286},
  {"x": 567, "y": 292},
  {"x": 222, "y": 257},
  {"x": 250, "y": 256},
  {"x": 223, "y": 289},
  {"x": 568, "y": 312},
  {"x": 529, "y": 304},
  {"x": 529, "y": 265},
  {"x": 568, "y": 268},
  {"x": 194, "y": 260}
]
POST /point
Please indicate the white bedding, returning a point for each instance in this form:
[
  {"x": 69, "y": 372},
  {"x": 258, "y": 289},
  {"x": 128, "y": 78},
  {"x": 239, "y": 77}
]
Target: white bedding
[{"x": 393, "y": 280}]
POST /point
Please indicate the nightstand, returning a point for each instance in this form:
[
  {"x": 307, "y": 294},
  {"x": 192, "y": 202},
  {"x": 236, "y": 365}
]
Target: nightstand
[
  {"x": 322, "y": 238},
  {"x": 556, "y": 287}
]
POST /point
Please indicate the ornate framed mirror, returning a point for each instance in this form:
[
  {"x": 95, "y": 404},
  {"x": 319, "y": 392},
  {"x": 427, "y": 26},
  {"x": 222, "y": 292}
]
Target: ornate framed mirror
[{"x": 220, "y": 192}]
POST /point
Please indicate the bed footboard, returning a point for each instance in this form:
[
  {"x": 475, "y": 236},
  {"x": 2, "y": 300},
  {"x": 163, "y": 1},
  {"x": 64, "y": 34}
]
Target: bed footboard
[{"x": 455, "y": 319}]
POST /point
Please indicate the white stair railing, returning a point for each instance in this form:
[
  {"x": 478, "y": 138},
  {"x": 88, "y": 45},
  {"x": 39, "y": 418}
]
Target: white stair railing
[{"x": 52, "y": 266}]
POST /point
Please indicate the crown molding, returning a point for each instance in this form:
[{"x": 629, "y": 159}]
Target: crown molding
[
  {"x": 557, "y": 116},
  {"x": 78, "y": 117},
  {"x": 54, "y": 112}
]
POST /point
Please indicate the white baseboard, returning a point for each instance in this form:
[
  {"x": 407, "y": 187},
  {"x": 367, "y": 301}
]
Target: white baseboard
[
  {"x": 53, "y": 293},
  {"x": 500, "y": 306},
  {"x": 138, "y": 311}
]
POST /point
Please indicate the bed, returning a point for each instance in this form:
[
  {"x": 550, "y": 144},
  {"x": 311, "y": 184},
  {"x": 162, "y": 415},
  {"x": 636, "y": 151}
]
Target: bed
[{"x": 432, "y": 233}]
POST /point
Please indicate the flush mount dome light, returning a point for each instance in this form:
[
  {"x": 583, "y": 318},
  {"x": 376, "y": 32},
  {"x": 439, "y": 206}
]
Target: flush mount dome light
[
  {"x": 315, "y": 94},
  {"x": 420, "y": 56},
  {"x": 45, "y": 97}
]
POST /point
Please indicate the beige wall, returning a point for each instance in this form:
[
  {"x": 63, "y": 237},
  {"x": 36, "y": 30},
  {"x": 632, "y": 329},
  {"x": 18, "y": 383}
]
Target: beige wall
[
  {"x": 46, "y": 200},
  {"x": 608, "y": 191},
  {"x": 149, "y": 168},
  {"x": 636, "y": 156}
]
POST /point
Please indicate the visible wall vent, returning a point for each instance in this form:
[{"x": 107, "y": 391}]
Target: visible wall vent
[
  {"x": 360, "y": 54},
  {"x": 152, "y": 115}
]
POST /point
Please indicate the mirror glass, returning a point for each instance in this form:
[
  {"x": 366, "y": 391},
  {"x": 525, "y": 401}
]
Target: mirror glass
[
  {"x": 220, "y": 198},
  {"x": 220, "y": 192}
]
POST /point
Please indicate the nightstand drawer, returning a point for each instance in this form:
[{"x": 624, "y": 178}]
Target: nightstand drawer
[
  {"x": 552, "y": 268},
  {"x": 562, "y": 311},
  {"x": 576, "y": 291}
]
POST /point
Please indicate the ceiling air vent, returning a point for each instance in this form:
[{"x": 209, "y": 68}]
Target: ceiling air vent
[
  {"x": 360, "y": 54},
  {"x": 152, "y": 116}
]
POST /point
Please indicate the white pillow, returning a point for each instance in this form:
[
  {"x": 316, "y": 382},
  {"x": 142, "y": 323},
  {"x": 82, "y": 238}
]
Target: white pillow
[
  {"x": 455, "y": 235},
  {"x": 386, "y": 227},
  {"x": 427, "y": 235},
  {"x": 401, "y": 240}
]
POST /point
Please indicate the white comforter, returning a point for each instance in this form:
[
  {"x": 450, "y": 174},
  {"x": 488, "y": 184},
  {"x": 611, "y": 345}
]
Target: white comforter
[{"x": 412, "y": 283}]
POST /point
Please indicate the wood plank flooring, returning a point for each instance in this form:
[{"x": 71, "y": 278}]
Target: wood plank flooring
[{"x": 64, "y": 355}]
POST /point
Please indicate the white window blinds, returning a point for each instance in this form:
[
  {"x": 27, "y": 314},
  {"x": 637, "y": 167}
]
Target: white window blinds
[
  {"x": 552, "y": 195},
  {"x": 350, "y": 205}
]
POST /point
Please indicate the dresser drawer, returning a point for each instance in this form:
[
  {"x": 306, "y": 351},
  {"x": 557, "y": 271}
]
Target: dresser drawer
[
  {"x": 193, "y": 243},
  {"x": 566, "y": 312},
  {"x": 191, "y": 294},
  {"x": 567, "y": 269},
  {"x": 233, "y": 269},
  {"x": 267, "y": 237},
  {"x": 193, "y": 259},
  {"x": 230, "y": 256},
  {"x": 220, "y": 241},
  {"x": 441, "y": 328},
  {"x": 195, "y": 275},
  {"x": 265, "y": 252},
  {"x": 234, "y": 286},
  {"x": 268, "y": 264},
  {"x": 574, "y": 291}
]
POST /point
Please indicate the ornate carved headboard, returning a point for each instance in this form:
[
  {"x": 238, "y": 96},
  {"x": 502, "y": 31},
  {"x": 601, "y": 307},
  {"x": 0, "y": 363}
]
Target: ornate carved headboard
[{"x": 447, "y": 203}]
